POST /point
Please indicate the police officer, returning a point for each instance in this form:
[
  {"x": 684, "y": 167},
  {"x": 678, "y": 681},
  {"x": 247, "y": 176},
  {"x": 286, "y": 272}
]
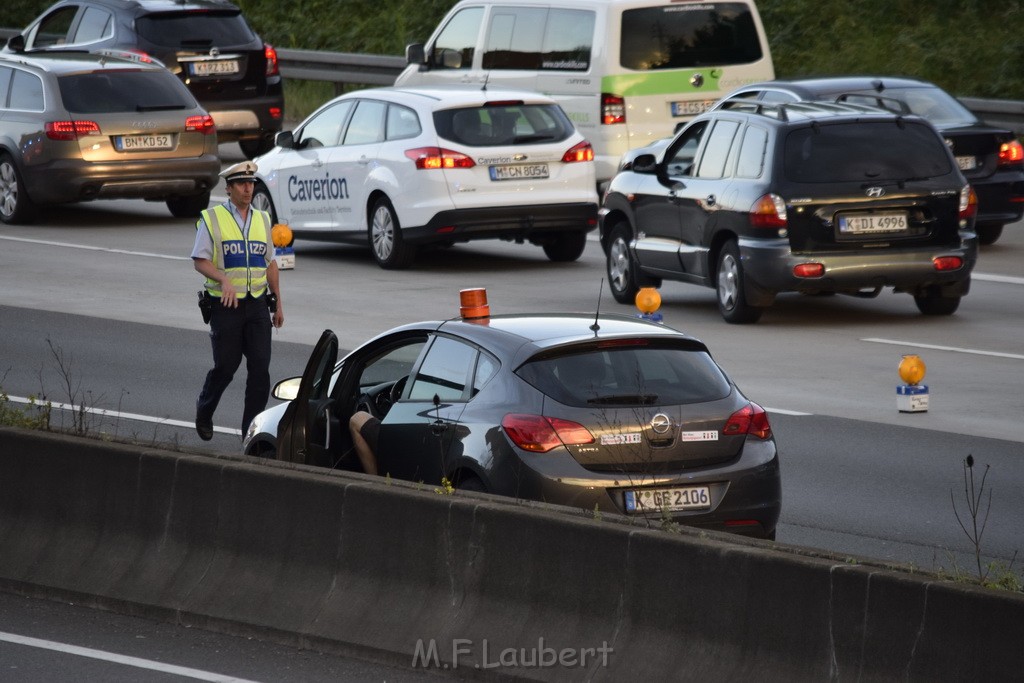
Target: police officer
[{"x": 233, "y": 249}]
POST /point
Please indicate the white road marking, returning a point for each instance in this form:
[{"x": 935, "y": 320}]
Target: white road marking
[
  {"x": 120, "y": 659},
  {"x": 937, "y": 347},
  {"x": 1004, "y": 279},
  {"x": 90, "y": 248},
  {"x": 123, "y": 416}
]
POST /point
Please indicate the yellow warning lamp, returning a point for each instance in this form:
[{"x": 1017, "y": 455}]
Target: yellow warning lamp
[
  {"x": 473, "y": 303},
  {"x": 912, "y": 369},
  {"x": 281, "y": 234},
  {"x": 648, "y": 300}
]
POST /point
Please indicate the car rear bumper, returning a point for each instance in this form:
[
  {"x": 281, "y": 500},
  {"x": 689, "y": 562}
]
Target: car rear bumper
[
  {"x": 504, "y": 222},
  {"x": 71, "y": 180},
  {"x": 769, "y": 264},
  {"x": 252, "y": 118},
  {"x": 1000, "y": 197}
]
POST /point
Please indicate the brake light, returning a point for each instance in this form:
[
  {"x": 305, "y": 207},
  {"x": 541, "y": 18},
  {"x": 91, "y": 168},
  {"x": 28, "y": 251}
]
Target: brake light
[
  {"x": 70, "y": 130},
  {"x": 271, "y": 54},
  {"x": 613, "y": 109},
  {"x": 942, "y": 263},
  {"x": 539, "y": 434},
  {"x": 968, "y": 202},
  {"x": 769, "y": 212},
  {"x": 201, "y": 123},
  {"x": 750, "y": 419},
  {"x": 580, "y": 152},
  {"x": 809, "y": 270},
  {"x": 1010, "y": 153},
  {"x": 430, "y": 158}
]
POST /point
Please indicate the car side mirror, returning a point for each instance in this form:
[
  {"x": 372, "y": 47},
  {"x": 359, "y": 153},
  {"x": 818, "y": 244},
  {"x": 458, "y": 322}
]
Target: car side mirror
[
  {"x": 414, "y": 53},
  {"x": 287, "y": 389},
  {"x": 646, "y": 164},
  {"x": 285, "y": 139},
  {"x": 16, "y": 43}
]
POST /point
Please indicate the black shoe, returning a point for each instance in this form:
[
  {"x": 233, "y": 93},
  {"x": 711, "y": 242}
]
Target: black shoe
[{"x": 204, "y": 427}]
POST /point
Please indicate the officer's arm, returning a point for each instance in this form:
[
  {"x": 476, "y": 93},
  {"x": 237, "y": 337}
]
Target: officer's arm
[
  {"x": 274, "y": 283},
  {"x": 228, "y": 296}
]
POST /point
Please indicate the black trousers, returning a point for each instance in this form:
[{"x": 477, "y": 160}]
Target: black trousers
[{"x": 236, "y": 332}]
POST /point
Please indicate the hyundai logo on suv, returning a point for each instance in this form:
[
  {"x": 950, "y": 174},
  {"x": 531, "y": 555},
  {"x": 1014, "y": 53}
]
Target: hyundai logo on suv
[{"x": 874, "y": 192}]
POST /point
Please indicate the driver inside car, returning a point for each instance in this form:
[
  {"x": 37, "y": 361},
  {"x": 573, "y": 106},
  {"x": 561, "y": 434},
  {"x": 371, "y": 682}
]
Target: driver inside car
[{"x": 365, "y": 430}]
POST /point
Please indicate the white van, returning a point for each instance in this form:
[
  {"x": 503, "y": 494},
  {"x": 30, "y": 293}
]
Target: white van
[{"x": 627, "y": 72}]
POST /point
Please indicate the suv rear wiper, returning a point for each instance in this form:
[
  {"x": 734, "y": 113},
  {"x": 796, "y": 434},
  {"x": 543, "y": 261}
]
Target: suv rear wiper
[{"x": 634, "y": 399}]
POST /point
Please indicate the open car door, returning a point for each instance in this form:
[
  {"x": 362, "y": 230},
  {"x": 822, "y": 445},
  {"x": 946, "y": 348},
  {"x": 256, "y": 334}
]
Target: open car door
[{"x": 306, "y": 428}]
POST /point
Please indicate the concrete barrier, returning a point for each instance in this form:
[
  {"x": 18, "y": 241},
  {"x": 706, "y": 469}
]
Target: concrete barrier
[{"x": 489, "y": 587}]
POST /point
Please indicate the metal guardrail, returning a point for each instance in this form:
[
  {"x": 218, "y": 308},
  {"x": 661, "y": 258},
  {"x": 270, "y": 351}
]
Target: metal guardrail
[{"x": 343, "y": 68}]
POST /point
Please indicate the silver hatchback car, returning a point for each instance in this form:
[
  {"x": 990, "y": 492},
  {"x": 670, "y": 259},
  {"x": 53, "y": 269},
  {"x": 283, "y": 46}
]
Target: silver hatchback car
[{"x": 81, "y": 126}]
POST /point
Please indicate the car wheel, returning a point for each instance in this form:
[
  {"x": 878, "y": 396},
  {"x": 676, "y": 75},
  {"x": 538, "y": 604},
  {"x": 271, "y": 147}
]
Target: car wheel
[
  {"x": 566, "y": 246},
  {"x": 732, "y": 302},
  {"x": 471, "y": 483},
  {"x": 15, "y": 204},
  {"x": 988, "y": 233},
  {"x": 933, "y": 304},
  {"x": 261, "y": 201},
  {"x": 385, "y": 235},
  {"x": 253, "y": 148},
  {"x": 189, "y": 206},
  {"x": 622, "y": 269}
]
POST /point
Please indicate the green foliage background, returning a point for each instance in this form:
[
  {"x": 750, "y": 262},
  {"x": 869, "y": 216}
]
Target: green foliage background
[{"x": 970, "y": 47}]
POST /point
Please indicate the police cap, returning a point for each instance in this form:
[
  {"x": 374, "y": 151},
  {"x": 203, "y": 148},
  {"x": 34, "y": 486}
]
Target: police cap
[{"x": 239, "y": 172}]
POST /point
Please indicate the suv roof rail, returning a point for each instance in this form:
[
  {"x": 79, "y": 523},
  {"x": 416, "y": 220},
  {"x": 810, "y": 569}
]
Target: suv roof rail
[
  {"x": 889, "y": 104},
  {"x": 784, "y": 111}
]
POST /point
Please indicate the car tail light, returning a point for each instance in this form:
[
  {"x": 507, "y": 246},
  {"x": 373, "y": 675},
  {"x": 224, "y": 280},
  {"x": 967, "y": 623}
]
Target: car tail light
[
  {"x": 613, "y": 109},
  {"x": 539, "y": 434},
  {"x": 809, "y": 270},
  {"x": 947, "y": 263},
  {"x": 1010, "y": 153},
  {"x": 580, "y": 152},
  {"x": 70, "y": 130},
  {"x": 271, "y": 54},
  {"x": 429, "y": 158},
  {"x": 750, "y": 419},
  {"x": 968, "y": 202},
  {"x": 202, "y": 123},
  {"x": 769, "y": 212},
  {"x": 276, "y": 113}
]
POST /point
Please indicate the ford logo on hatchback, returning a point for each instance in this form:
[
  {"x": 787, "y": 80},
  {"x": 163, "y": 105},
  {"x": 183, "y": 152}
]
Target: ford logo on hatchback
[{"x": 874, "y": 192}]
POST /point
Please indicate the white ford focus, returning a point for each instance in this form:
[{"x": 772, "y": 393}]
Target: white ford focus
[{"x": 400, "y": 167}]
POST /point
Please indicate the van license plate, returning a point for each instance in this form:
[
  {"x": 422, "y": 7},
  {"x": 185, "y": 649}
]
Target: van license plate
[
  {"x": 128, "y": 143},
  {"x": 691, "y": 108},
  {"x": 519, "y": 172},
  {"x": 876, "y": 222},
  {"x": 214, "y": 68},
  {"x": 678, "y": 498}
]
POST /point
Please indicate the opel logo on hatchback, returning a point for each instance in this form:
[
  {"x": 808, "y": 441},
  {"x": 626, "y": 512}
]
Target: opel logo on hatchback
[
  {"x": 875, "y": 192},
  {"x": 661, "y": 423}
]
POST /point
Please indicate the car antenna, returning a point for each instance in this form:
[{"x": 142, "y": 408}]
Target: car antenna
[
  {"x": 595, "y": 327},
  {"x": 487, "y": 77}
]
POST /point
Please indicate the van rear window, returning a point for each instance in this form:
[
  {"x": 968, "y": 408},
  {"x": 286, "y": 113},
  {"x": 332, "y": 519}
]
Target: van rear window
[
  {"x": 688, "y": 36},
  {"x": 865, "y": 151}
]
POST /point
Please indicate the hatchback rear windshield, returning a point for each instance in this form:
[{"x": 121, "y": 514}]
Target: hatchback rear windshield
[
  {"x": 504, "y": 124},
  {"x": 934, "y": 104},
  {"x": 628, "y": 376},
  {"x": 865, "y": 152},
  {"x": 195, "y": 30},
  {"x": 691, "y": 35},
  {"x": 110, "y": 92}
]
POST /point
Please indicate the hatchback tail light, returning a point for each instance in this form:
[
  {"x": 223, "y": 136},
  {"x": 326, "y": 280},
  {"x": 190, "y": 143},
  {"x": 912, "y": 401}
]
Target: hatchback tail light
[
  {"x": 202, "y": 123},
  {"x": 613, "y": 109},
  {"x": 769, "y": 212},
  {"x": 431, "y": 158},
  {"x": 1011, "y": 153},
  {"x": 271, "y": 54},
  {"x": 750, "y": 419},
  {"x": 539, "y": 434},
  {"x": 968, "y": 202},
  {"x": 70, "y": 130},
  {"x": 580, "y": 152}
]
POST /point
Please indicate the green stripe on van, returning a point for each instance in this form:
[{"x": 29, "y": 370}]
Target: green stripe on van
[{"x": 661, "y": 83}]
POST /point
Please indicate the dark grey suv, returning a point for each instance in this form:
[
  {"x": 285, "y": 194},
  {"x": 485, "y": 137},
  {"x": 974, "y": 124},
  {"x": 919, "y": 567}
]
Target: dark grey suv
[
  {"x": 755, "y": 199},
  {"x": 206, "y": 43}
]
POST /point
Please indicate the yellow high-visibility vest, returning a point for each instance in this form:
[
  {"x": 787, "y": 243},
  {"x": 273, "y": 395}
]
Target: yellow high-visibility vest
[{"x": 243, "y": 260}]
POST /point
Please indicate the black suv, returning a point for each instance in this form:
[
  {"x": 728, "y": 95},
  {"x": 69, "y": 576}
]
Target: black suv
[
  {"x": 991, "y": 158},
  {"x": 756, "y": 199},
  {"x": 206, "y": 43}
]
